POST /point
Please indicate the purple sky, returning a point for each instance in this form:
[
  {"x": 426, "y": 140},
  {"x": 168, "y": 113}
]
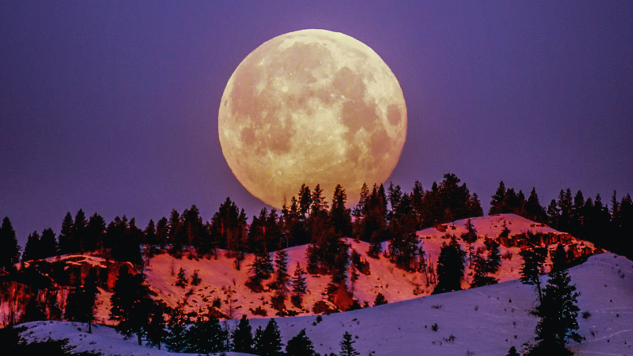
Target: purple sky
[{"x": 112, "y": 106}]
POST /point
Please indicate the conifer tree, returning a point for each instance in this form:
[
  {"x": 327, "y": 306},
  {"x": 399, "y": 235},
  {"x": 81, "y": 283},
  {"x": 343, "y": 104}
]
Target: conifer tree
[
  {"x": 339, "y": 214},
  {"x": 32, "y": 249},
  {"x": 553, "y": 214},
  {"x": 380, "y": 299},
  {"x": 281, "y": 273},
  {"x": 481, "y": 270},
  {"x": 533, "y": 208},
  {"x": 181, "y": 280},
  {"x": 347, "y": 348},
  {"x": 151, "y": 240},
  {"x": 299, "y": 286},
  {"x": 258, "y": 340},
  {"x": 48, "y": 244},
  {"x": 65, "y": 235},
  {"x": 131, "y": 304},
  {"x": 450, "y": 268},
  {"x": 95, "y": 232},
  {"x": 533, "y": 259},
  {"x": 155, "y": 331},
  {"x": 206, "y": 336},
  {"x": 513, "y": 352},
  {"x": 195, "y": 278},
  {"x": 496, "y": 204},
  {"x": 268, "y": 343},
  {"x": 494, "y": 256},
  {"x": 558, "y": 312},
  {"x": 78, "y": 232},
  {"x": 80, "y": 305},
  {"x": 176, "y": 340},
  {"x": 243, "y": 336},
  {"x": 559, "y": 259},
  {"x": 260, "y": 270},
  {"x": 300, "y": 345},
  {"x": 9, "y": 249}
]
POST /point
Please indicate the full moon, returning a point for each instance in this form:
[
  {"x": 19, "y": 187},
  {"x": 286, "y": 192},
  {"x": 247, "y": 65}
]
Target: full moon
[{"x": 313, "y": 107}]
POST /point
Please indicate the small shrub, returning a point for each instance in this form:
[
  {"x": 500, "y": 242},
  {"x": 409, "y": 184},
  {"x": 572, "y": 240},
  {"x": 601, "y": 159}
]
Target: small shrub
[
  {"x": 195, "y": 278},
  {"x": 434, "y": 327},
  {"x": 217, "y": 302},
  {"x": 436, "y": 306},
  {"x": 259, "y": 311},
  {"x": 380, "y": 300},
  {"x": 586, "y": 314}
]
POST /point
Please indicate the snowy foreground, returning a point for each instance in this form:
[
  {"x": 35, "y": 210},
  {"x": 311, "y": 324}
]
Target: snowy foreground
[{"x": 479, "y": 321}]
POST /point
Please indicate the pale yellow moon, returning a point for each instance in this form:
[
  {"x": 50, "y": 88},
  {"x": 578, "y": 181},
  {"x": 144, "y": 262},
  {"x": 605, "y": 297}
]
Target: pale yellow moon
[{"x": 313, "y": 107}]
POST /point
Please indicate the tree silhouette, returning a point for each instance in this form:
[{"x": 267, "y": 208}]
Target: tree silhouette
[
  {"x": 131, "y": 304},
  {"x": 243, "y": 336},
  {"x": 347, "y": 348},
  {"x": 300, "y": 345},
  {"x": 450, "y": 267},
  {"x": 9, "y": 249}
]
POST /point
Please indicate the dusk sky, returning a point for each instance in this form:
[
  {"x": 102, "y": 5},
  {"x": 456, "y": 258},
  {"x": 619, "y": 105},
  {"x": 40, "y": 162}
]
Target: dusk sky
[{"x": 112, "y": 107}]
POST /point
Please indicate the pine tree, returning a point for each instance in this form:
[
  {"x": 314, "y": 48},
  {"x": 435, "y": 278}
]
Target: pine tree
[
  {"x": 9, "y": 249},
  {"x": 450, "y": 268},
  {"x": 32, "y": 250},
  {"x": 181, "y": 280},
  {"x": 48, "y": 244},
  {"x": 339, "y": 214},
  {"x": 131, "y": 304},
  {"x": 559, "y": 259},
  {"x": 496, "y": 204},
  {"x": 533, "y": 208},
  {"x": 380, "y": 300},
  {"x": 155, "y": 331},
  {"x": 80, "y": 305},
  {"x": 206, "y": 336},
  {"x": 243, "y": 337},
  {"x": 258, "y": 340},
  {"x": 494, "y": 256},
  {"x": 513, "y": 352},
  {"x": 65, "y": 235},
  {"x": 481, "y": 269},
  {"x": 268, "y": 342},
  {"x": 281, "y": 273},
  {"x": 78, "y": 232},
  {"x": 558, "y": 312},
  {"x": 95, "y": 232},
  {"x": 176, "y": 340},
  {"x": 195, "y": 278},
  {"x": 299, "y": 286},
  {"x": 347, "y": 348},
  {"x": 533, "y": 259},
  {"x": 260, "y": 270},
  {"x": 300, "y": 345}
]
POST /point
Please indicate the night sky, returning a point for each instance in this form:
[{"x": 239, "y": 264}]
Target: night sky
[{"x": 112, "y": 106}]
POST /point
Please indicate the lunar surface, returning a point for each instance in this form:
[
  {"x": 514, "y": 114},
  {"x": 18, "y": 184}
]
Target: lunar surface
[{"x": 313, "y": 107}]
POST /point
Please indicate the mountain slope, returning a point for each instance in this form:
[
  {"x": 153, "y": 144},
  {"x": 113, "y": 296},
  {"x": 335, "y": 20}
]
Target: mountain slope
[
  {"x": 479, "y": 321},
  {"x": 221, "y": 280}
]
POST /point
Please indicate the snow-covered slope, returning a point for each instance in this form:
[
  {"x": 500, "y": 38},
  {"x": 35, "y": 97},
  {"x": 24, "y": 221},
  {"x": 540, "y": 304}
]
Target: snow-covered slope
[
  {"x": 221, "y": 280},
  {"x": 479, "y": 321}
]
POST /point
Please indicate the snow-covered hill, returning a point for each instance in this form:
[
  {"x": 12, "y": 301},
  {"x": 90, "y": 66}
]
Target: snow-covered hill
[
  {"x": 221, "y": 280},
  {"x": 479, "y": 321}
]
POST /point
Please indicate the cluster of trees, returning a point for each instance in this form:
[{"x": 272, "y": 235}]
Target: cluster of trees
[{"x": 587, "y": 219}]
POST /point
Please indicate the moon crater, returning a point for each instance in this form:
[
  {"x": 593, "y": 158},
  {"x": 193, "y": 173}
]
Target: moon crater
[{"x": 313, "y": 107}]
